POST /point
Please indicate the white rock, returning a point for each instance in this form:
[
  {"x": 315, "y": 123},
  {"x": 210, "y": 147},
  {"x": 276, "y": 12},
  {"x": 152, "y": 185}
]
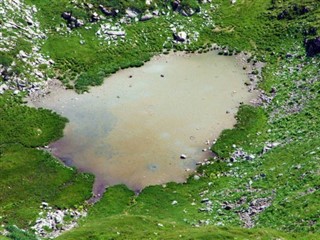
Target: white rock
[
  {"x": 22, "y": 54},
  {"x": 174, "y": 202},
  {"x": 183, "y": 156},
  {"x": 38, "y": 73},
  {"x": 146, "y": 17},
  {"x": 116, "y": 33},
  {"x": 181, "y": 36},
  {"x": 131, "y": 14}
]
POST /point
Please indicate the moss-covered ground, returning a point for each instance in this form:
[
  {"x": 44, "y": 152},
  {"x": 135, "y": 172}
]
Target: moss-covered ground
[{"x": 222, "y": 199}]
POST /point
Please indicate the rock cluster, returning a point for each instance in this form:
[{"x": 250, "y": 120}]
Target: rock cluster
[
  {"x": 53, "y": 222},
  {"x": 27, "y": 70},
  {"x": 72, "y": 22},
  {"x": 240, "y": 155},
  {"x": 256, "y": 206},
  {"x": 110, "y": 32},
  {"x": 184, "y": 10},
  {"x": 247, "y": 210}
]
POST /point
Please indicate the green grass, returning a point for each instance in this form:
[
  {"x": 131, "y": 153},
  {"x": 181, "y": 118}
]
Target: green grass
[
  {"x": 249, "y": 132},
  {"x": 140, "y": 227},
  {"x": 29, "y": 176},
  {"x": 28, "y": 126},
  {"x": 288, "y": 174},
  {"x": 18, "y": 234}
]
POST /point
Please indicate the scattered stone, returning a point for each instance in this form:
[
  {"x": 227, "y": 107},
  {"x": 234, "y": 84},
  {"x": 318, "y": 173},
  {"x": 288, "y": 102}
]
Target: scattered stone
[
  {"x": 255, "y": 207},
  {"x": 183, "y": 156},
  {"x": 174, "y": 202}
]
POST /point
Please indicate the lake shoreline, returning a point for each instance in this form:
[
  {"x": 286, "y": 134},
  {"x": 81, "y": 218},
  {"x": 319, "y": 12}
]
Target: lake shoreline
[{"x": 55, "y": 86}]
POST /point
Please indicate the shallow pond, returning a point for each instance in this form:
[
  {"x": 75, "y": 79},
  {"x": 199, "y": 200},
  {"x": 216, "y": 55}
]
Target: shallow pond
[{"x": 134, "y": 127}]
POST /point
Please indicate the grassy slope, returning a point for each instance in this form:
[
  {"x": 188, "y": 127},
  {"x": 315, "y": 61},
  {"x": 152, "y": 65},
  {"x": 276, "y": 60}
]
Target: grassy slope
[
  {"x": 116, "y": 217},
  {"x": 289, "y": 174},
  {"x": 29, "y": 176},
  {"x": 86, "y": 64}
]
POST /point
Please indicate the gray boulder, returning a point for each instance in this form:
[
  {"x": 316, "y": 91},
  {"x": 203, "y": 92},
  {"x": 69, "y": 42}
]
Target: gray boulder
[
  {"x": 131, "y": 13},
  {"x": 180, "y": 36}
]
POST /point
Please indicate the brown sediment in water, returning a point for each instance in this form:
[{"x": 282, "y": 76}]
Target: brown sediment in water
[{"x": 133, "y": 128}]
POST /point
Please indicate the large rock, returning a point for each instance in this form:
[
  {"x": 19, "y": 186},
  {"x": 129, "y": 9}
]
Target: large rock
[
  {"x": 116, "y": 33},
  {"x": 95, "y": 17},
  {"x": 66, "y": 15},
  {"x": 180, "y": 36},
  {"x": 176, "y": 6},
  {"x": 312, "y": 46},
  {"x": 131, "y": 13},
  {"x": 108, "y": 11},
  {"x": 3, "y": 88},
  {"x": 146, "y": 17}
]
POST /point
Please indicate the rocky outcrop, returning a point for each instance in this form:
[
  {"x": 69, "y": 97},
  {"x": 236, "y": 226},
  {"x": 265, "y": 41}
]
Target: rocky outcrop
[
  {"x": 312, "y": 46},
  {"x": 184, "y": 9},
  {"x": 25, "y": 71},
  {"x": 53, "y": 222},
  {"x": 72, "y": 22},
  {"x": 111, "y": 33}
]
